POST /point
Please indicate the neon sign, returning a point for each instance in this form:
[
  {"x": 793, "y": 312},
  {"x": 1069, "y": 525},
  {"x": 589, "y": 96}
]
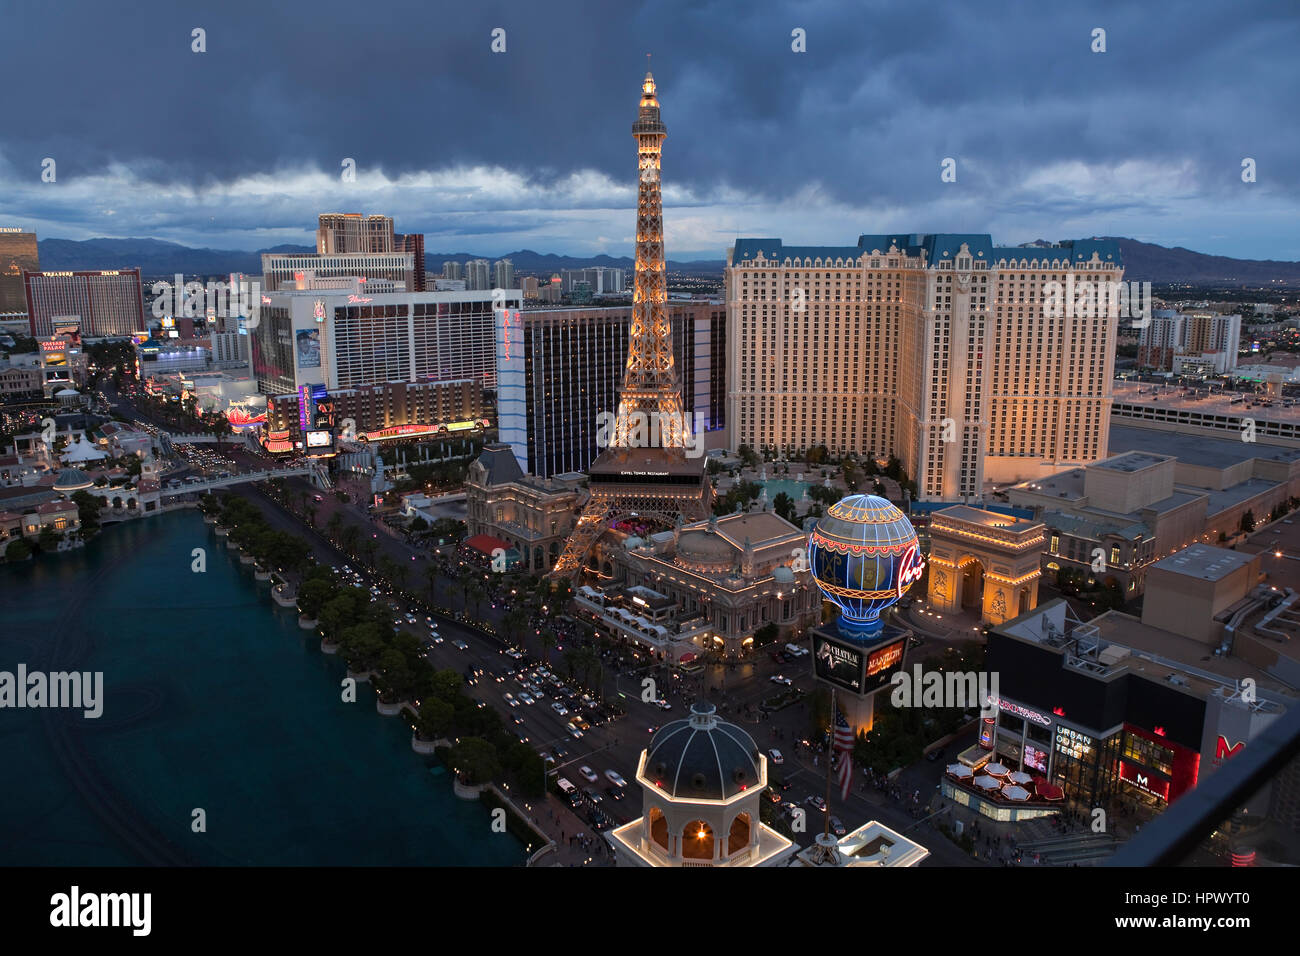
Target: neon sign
[
  {"x": 910, "y": 569},
  {"x": 1131, "y": 774},
  {"x": 1223, "y": 750},
  {"x": 505, "y": 332},
  {"x": 359, "y": 298},
  {"x": 319, "y": 311},
  {"x": 1040, "y": 719}
]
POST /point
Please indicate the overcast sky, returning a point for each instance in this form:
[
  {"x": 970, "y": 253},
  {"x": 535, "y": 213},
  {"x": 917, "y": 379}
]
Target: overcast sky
[{"x": 240, "y": 147}]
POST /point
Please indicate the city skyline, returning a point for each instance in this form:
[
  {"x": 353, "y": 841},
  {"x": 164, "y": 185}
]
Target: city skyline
[
  {"x": 1056, "y": 141},
  {"x": 944, "y": 525}
]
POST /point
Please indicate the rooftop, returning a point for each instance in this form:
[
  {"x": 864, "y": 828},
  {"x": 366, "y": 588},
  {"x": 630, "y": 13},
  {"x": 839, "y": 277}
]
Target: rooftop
[
  {"x": 1177, "y": 398},
  {"x": 1130, "y": 461},
  {"x": 1204, "y": 561},
  {"x": 987, "y": 519},
  {"x": 1195, "y": 449}
]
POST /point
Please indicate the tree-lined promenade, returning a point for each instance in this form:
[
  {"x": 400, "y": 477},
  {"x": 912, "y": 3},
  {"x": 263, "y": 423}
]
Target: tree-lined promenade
[{"x": 368, "y": 641}]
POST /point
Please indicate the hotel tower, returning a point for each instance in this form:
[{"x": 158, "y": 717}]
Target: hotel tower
[{"x": 944, "y": 350}]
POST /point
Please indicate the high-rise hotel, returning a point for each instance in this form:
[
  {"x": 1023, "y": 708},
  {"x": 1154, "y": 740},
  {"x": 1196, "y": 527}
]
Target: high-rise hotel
[
  {"x": 18, "y": 254},
  {"x": 390, "y": 360},
  {"x": 941, "y": 349},
  {"x": 560, "y": 368},
  {"x": 101, "y": 303}
]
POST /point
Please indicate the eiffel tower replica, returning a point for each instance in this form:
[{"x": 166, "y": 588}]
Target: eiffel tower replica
[{"x": 632, "y": 477}]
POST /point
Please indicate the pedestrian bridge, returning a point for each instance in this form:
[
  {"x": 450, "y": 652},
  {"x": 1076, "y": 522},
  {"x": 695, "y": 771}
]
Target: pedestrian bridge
[{"x": 317, "y": 474}]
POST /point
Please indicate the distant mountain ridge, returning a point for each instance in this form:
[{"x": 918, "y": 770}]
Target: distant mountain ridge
[
  {"x": 157, "y": 257},
  {"x": 1148, "y": 262},
  {"x": 1143, "y": 261}
]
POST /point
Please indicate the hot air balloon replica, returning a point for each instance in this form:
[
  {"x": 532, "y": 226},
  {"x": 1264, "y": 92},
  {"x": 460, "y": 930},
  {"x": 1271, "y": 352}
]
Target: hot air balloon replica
[{"x": 864, "y": 555}]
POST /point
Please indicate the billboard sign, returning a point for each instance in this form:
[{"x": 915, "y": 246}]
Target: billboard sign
[
  {"x": 308, "y": 347},
  {"x": 839, "y": 662},
  {"x": 882, "y": 664}
]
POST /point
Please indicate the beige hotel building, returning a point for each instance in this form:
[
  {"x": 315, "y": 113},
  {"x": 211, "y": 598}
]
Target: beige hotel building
[{"x": 939, "y": 349}]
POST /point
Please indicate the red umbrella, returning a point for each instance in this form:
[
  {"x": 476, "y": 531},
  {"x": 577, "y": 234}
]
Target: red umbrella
[{"x": 1049, "y": 791}]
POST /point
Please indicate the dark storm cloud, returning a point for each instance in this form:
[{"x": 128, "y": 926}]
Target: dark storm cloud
[{"x": 1049, "y": 137}]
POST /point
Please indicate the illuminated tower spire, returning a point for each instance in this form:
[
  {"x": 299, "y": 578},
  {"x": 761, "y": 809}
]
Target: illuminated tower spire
[
  {"x": 650, "y": 384},
  {"x": 652, "y": 469}
]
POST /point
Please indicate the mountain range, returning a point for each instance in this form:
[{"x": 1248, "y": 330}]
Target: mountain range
[{"x": 1143, "y": 261}]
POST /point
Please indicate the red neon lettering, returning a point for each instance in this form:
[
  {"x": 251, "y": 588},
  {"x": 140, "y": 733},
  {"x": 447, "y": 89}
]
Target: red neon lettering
[{"x": 1223, "y": 750}]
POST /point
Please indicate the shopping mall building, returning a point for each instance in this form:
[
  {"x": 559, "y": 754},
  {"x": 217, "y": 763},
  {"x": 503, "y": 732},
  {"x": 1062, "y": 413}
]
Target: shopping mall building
[{"x": 1124, "y": 709}]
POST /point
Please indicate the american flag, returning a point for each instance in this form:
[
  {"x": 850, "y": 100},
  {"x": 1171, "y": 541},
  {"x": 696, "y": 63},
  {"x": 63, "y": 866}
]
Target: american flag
[{"x": 843, "y": 745}]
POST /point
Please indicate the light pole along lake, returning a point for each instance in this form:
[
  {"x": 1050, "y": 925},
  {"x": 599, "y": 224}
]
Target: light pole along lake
[{"x": 213, "y": 699}]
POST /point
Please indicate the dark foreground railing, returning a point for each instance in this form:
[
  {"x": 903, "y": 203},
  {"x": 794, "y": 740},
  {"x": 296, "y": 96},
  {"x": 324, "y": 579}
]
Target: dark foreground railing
[{"x": 1172, "y": 837}]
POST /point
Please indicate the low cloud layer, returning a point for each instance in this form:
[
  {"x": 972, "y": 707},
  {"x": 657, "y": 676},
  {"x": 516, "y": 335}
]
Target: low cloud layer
[{"x": 240, "y": 146}]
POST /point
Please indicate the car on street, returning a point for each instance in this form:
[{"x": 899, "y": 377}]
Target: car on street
[
  {"x": 773, "y": 795},
  {"x": 815, "y": 801},
  {"x": 663, "y": 704},
  {"x": 526, "y": 698},
  {"x": 838, "y": 827},
  {"x": 460, "y": 645},
  {"x": 574, "y": 732},
  {"x": 616, "y": 793},
  {"x": 614, "y": 777},
  {"x": 776, "y": 756},
  {"x": 599, "y": 822},
  {"x": 510, "y": 699},
  {"x": 517, "y": 721},
  {"x": 561, "y": 751},
  {"x": 781, "y": 679},
  {"x": 560, "y": 709},
  {"x": 587, "y": 774}
]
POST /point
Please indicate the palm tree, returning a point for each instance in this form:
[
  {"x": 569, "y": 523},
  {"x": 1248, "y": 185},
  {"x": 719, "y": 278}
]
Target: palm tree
[
  {"x": 368, "y": 547},
  {"x": 400, "y": 573},
  {"x": 475, "y": 594},
  {"x": 348, "y": 538},
  {"x": 433, "y": 575},
  {"x": 585, "y": 658},
  {"x": 311, "y": 515},
  {"x": 332, "y": 526},
  {"x": 464, "y": 577},
  {"x": 514, "y": 621},
  {"x": 548, "y": 640}
]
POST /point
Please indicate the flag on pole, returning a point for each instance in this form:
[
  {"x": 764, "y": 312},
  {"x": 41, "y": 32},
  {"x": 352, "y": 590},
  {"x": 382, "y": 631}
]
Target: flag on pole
[{"x": 843, "y": 745}]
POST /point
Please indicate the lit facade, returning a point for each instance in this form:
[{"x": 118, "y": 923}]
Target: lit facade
[
  {"x": 109, "y": 303},
  {"x": 941, "y": 349},
  {"x": 347, "y": 341},
  {"x": 721, "y": 581},
  {"x": 390, "y": 411},
  {"x": 984, "y": 559},
  {"x": 354, "y": 233},
  {"x": 532, "y": 515},
  {"x": 18, "y": 254},
  {"x": 701, "y": 781}
]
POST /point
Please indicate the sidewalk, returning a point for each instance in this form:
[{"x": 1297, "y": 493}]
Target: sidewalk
[{"x": 562, "y": 825}]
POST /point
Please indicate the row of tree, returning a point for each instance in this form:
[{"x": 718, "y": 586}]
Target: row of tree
[{"x": 484, "y": 749}]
